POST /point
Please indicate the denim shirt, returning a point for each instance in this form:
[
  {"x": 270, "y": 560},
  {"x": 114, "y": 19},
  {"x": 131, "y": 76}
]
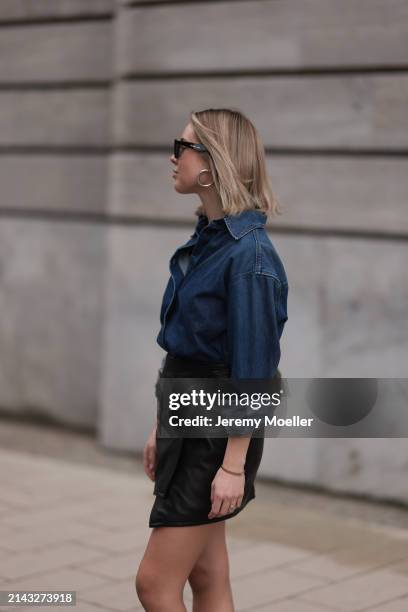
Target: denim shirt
[{"x": 230, "y": 305}]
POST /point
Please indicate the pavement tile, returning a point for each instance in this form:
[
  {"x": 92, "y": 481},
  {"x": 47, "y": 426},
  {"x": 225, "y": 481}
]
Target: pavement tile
[
  {"x": 119, "y": 540},
  {"x": 18, "y": 498},
  {"x": 401, "y": 567},
  {"x": 360, "y": 592},
  {"x": 397, "y": 605},
  {"x": 64, "y": 510},
  {"x": 263, "y": 556},
  {"x": 20, "y": 565},
  {"x": 266, "y": 587},
  {"x": 47, "y": 534},
  {"x": 64, "y": 579},
  {"x": 5, "y": 506},
  {"x": 81, "y": 606},
  {"x": 347, "y": 562},
  {"x": 292, "y": 605},
  {"x": 119, "y": 517},
  {"x": 297, "y": 527},
  {"x": 118, "y": 596},
  {"x": 234, "y": 543},
  {"x": 188, "y": 593},
  {"x": 116, "y": 566}
]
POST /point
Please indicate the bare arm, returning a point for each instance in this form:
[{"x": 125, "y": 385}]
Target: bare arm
[{"x": 235, "y": 453}]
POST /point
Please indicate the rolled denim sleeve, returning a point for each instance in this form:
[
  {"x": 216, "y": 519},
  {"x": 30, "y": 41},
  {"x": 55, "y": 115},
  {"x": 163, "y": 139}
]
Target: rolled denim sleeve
[{"x": 256, "y": 316}]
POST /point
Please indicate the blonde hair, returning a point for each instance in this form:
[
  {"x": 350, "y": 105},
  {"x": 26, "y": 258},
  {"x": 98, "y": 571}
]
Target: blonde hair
[{"x": 237, "y": 161}]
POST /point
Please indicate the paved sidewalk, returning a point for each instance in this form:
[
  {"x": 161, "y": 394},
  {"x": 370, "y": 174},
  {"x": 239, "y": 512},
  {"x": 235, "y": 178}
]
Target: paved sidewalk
[{"x": 66, "y": 525}]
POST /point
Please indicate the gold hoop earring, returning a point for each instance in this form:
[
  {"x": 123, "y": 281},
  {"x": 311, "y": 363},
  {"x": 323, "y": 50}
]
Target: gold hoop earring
[{"x": 201, "y": 184}]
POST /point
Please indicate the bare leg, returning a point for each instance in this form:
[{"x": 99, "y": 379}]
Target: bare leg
[
  {"x": 169, "y": 558},
  {"x": 209, "y": 578}
]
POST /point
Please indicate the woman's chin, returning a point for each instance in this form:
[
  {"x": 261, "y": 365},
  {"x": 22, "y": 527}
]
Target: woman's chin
[{"x": 179, "y": 188}]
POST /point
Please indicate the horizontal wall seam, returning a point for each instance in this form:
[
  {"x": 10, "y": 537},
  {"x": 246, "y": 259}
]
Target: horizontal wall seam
[
  {"x": 33, "y": 21},
  {"x": 120, "y": 79},
  {"x": 117, "y": 220},
  {"x": 62, "y": 150},
  {"x": 66, "y": 149},
  {"x": 150, "y": 4},
  {"x": 129, "y": 77},
  {"x": 84, "y": 84},
  {"x": 312, "y": 71}
]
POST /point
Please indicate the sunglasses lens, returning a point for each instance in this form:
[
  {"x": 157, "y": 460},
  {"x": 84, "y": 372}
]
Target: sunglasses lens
[{"x": 179, "y": 147}]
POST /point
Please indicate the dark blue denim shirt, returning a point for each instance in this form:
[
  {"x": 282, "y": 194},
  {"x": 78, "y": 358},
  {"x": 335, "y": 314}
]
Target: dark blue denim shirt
[{"x": 231, "y": 304}]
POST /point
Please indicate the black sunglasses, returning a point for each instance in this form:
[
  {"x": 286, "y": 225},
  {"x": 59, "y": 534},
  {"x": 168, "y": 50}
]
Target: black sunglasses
[{"x": 179, "y": 144}]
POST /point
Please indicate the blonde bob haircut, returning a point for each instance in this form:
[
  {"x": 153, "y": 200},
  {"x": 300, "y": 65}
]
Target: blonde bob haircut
[{"x": 237, "y": 161}]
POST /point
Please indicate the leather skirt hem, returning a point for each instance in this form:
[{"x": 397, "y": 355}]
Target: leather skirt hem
[{"x": 200, "y": 522}]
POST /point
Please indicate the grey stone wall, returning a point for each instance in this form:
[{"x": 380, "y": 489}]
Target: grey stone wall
[
  {"x": 55, "y": 88},
  {"x": 92, "y": 93}
]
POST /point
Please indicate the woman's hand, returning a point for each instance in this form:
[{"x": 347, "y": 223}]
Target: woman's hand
[
  {"x": 226, "y": 490},
  {"x": 150, "y": 455}
]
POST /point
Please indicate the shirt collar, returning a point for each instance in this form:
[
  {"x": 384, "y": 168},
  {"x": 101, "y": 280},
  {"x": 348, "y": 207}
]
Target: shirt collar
[{"x": 237, "y": 225}]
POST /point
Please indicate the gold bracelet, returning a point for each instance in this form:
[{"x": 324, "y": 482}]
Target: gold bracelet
[{"x": 230, "y": 472}]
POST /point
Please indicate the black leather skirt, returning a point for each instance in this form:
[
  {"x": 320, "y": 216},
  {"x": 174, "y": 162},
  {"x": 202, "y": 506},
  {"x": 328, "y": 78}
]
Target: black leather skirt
[{"x": 186, "y": 467}]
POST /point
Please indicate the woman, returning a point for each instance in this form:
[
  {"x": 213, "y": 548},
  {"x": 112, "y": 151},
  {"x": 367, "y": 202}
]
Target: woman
[{"x": 222, "y": 315}]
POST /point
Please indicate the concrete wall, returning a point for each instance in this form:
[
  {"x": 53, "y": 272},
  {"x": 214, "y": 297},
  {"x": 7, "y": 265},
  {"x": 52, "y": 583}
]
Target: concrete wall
[
  {"x": 92, "y": 93},
  {"x": 55, "y": 88}
]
